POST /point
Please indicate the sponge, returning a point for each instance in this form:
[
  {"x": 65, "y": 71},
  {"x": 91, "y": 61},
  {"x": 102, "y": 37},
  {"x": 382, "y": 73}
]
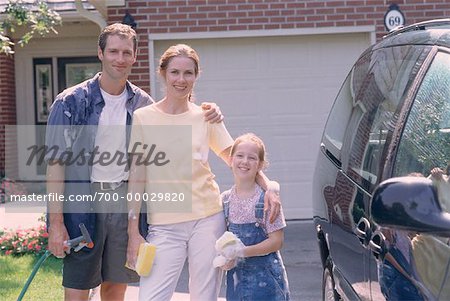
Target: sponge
[
  {"x": 228, "y": 238},
  {"x": 145, "y": 258}
]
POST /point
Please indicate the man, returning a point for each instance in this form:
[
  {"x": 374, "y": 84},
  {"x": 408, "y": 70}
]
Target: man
[{"x": 88, "y": 133}]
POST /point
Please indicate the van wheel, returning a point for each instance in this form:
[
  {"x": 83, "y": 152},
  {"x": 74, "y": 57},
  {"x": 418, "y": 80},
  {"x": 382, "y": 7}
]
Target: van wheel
[{"x": 328, "y": 291}]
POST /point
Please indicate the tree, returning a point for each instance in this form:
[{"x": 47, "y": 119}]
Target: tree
[{"x": 37, "y": 17}]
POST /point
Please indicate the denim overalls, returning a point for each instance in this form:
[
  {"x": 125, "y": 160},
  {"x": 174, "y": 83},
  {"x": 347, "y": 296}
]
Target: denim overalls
[{"x": 258, "y": 278}]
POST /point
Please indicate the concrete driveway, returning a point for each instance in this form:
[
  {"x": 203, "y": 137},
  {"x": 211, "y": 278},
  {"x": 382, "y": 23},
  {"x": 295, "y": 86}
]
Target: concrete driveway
[{"x": 300, "y": 254}]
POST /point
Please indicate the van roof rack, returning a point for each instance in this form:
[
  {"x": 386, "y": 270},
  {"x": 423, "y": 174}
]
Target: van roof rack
[{"x": 418, "y": 26}]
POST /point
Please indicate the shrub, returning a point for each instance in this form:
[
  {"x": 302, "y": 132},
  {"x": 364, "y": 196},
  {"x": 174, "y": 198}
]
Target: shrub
[
  {"x": 21, "y": 241},
  {"x": 10, "y": 187}
]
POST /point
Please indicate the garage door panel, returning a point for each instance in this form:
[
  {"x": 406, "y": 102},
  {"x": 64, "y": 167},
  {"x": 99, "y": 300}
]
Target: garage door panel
[{"x": 282, "y": 89}]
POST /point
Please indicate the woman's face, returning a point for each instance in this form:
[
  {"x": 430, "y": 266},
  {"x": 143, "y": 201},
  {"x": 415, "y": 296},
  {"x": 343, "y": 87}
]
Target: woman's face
[{"x": 180, "y": 77}]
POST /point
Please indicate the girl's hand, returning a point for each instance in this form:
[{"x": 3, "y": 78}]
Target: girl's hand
[{"x": 229, "y": 265}]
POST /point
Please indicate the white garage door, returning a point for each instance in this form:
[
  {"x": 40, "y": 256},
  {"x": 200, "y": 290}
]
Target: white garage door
[{"x": 280, "y": 88}]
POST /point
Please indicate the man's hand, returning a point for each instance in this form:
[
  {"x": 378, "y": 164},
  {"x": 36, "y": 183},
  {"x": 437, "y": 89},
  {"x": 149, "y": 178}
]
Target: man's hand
[
  {"x": 134, "y": 241},
  {"x": 272, "y": 200},
  {"x": 212, "y": 112},
  {"x": 57, "y": 235}
]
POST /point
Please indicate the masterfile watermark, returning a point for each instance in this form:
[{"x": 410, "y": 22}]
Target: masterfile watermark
[
  {"x": 166, "y": 153},
  {"x": 55, "y": 156}
]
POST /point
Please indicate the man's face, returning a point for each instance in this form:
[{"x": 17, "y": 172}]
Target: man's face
[{"x": 117, "y": 58}]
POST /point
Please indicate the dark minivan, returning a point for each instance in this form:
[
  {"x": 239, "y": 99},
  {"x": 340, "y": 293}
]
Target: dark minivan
[{"x": 382, "y": 217}]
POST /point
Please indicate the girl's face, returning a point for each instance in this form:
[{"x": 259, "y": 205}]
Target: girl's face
[
  {"x": 245, "y": 162},
  {"x": 180, "y": 77}
]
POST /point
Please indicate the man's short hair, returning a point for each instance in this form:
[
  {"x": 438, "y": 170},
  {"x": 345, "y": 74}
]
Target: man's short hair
[{"x": 119, "y": 29}]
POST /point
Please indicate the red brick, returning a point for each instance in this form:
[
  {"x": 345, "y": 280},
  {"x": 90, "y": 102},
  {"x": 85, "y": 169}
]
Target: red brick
[
  {"x": 255, "y": 14},
  {"x": 245, "y": 7},
  {"x": 237, "y": 14},
  {"x": 261, "y": 6},
  {"x": 217, "y": 15},
  {"x": 226, "y": 21},
  {"x": 187, "y": 23},
  {"x": 167, "y": 10},
  {"x": 272, "y": 26},
  {"x": 207, "y": 22},
  {"x": 167, "y": 23},
  {"x": 226, "y": 8},
  {"x": 198, "y": 16},
  {"x": 198, "y": 29},
  {"x": 187, "y": 9},
  {"x": 217, "y": 28},
  {"x": 178, "y": 29},
  {"x": 237, "y": 27}
]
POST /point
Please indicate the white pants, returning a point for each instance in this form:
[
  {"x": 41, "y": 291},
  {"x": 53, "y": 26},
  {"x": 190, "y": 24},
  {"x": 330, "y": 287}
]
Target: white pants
[{"x": 194, "y": 240}]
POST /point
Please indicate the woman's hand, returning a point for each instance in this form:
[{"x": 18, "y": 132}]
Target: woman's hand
[
  {"x": 212, "y": 112},
  {"x": 134, "y": 242}
]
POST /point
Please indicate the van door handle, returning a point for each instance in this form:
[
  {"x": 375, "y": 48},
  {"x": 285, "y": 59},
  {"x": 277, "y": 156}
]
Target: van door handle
[
  {"x": 330, "y": 155},
  {"x": 363, "y": 231},
  {"x": 377, "y": 245}
]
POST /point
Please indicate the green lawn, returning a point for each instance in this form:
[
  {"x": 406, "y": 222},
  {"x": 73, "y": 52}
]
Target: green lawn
[{"x": 14, "y": 272}]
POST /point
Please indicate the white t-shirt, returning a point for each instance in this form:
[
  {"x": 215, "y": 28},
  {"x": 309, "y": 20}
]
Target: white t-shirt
[{"x": 111, "y": 139}]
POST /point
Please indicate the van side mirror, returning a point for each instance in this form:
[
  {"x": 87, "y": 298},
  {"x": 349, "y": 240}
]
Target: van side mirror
[{"x": 409, "y": 203}]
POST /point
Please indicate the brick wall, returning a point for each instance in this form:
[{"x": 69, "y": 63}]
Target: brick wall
[
  {"x": 175, "y": 16},
  {"x": 7, "y": 115}
]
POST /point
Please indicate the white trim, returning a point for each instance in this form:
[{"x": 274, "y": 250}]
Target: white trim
[
  {"x": 261, "y": 33},
  {"x": 96, "y": 18},
  {"x": 247, "y": 33},
  {"x": 75, "y": 16},
  {"x": 151, "y": 62},
  {"x": 110, "y": 3},
  {"x": 373, "y": 37}
]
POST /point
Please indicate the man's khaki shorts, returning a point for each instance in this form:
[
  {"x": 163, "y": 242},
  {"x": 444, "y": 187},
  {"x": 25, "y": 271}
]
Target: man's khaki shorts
[{"x": 88, "y": 268}]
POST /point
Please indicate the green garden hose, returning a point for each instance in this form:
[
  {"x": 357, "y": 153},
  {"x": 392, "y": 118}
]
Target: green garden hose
[{"x": 33, "y": 273}]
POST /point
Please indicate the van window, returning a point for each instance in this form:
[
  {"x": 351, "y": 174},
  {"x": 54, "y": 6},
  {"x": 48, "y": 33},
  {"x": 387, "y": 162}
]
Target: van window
[
  {"x": 376, "y": 111},
  {"x": 340, "y": 114},
  {"x": 425, "y": 141}
]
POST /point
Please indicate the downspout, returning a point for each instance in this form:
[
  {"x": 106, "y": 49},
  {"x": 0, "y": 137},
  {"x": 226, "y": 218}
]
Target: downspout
[{"x": 96, "y": 18}]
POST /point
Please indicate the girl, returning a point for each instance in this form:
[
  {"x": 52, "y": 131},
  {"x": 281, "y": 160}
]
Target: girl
[{"x": 261, "y": 274}]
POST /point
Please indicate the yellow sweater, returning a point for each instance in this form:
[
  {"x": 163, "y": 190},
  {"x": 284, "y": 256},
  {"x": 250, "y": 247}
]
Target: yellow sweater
[{"x": 179, "y": 185}]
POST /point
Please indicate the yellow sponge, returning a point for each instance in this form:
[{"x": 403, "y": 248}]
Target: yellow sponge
[
  {"x": 228, "y": 238},
  {"x": 145, "y": 258}
]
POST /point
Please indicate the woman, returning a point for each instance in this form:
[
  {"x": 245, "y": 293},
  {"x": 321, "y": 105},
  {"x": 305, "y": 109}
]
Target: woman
[{"x": 189, "y": 232}]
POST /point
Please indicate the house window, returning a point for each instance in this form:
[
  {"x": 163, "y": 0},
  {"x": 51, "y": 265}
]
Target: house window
[
  {"x": 74, "y": 70},
  {"x": 43, "y": 79}
]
